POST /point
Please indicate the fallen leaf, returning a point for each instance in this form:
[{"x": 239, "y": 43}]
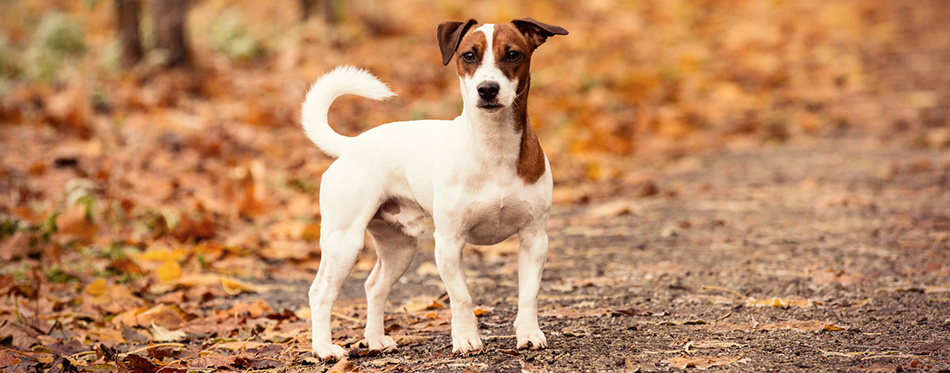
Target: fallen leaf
[
  {"x": 805, "y": 326},
  {"x": 20, "y": 336},
  {"x": 235, "y": 287},
  {"x": 160, "y": 334},
  {"x": 831, "y": 328},
  {"x": 162, "y": 315},
  {"x": 412, "y": 339},
  {"x": 238, "y": 345},
  {"x": 537, "y": 367},
  {"x": 213, "y": 361},
  {"x": 194, "y": 229},
  {"x": 780, "y": 302},
  {"x": 287, "y": 249},
  {"x": 685, "y": 322},
  {"x": 427, "y": 269},
  {"x": 14, "y": 247},
  {"x": 7, "y": 360},
  {"x": 482, "y": 312},
  {"x": 253, "y": 309},
  {"x": 701, "y": 362},
  {"x": 74, "y": 223},
  {"x": 343, "y": 366},
  {"x": 136, "y": 363},
  {"x": 574, "y": 333},
  {"x": 106, "y": 335},
  {"x": 713, "y": 344},
  {"x": 384, "y": 361},
  {"x": 311, "y": 232},
  {"x": 161, "y": 255},
  {"x": 630, "y": 312},
  {"x": 96, "y": 288},
  {"x": 126, "y": 266},
  {"x": 169, "y": 271}
]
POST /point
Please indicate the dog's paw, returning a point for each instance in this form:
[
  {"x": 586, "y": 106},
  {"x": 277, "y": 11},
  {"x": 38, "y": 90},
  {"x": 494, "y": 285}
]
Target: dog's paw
[
  {"x": 532, "y": 339},
  {"x": 381, "y": 343},
  {"x": 328, "y": 352},
  {"x": 466, "y": 344}
]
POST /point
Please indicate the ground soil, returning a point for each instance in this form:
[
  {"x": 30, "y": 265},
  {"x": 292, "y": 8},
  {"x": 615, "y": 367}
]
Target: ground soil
[{"x": 819, "y": 255}]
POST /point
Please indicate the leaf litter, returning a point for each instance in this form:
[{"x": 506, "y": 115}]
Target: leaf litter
[{"x": 168, "y": 221}]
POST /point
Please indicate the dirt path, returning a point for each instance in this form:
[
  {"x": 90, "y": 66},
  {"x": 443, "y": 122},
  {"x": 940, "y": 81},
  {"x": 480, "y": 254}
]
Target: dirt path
[{"x": 830, "y": 255}]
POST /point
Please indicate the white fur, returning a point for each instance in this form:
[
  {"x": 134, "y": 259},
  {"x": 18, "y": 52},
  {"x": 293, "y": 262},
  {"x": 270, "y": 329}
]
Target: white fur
[
  {"x": 461, "y": 172},
  {"x": 341, "y": 81}
]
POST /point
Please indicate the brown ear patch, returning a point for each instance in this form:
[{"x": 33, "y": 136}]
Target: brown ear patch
[
  {"x": 449, "y": 36},
  {"x": 537, "y": 32}
]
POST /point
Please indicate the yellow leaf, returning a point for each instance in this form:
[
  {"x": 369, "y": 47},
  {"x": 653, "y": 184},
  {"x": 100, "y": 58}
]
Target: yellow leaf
[
  {"x": 169, "y": 271},
  {"x": 831, "y": 328},
  {"x": 96, "y": 288},
  {"x": 303, "y": 313},
  {"x": 230, "y": 286},
  {"x": 427, "y": 269},
  {"x": 238, "y": 346},
  {"x": 235, "y": 287},
  {"x": 412, "y": 339},
  {"x": 311, "y": 232},
  {"x": 592, "y": 172},
  {"x": 780, "y": 302},
  {"x": 161, "y": 255},
  {"x": 160, "y": 334},
  {"x": 435, "y": 306}
]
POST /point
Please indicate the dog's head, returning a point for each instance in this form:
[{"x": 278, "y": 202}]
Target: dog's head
[{"x": 493, "y": 59}]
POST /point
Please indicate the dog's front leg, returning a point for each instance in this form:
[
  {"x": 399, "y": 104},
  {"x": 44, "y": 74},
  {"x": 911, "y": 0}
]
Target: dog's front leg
[
  {"x": 448, "y": 257},
  {"x": 531, "y": 256}
]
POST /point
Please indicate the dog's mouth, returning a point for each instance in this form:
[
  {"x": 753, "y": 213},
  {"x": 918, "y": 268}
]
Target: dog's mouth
[{"x": 490, "y": 105}]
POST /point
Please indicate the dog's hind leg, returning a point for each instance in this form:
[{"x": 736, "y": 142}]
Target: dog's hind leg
[
  {"x": 339, "y": 252},
  {"x": 394, "y": 252},
  {"x": 342, "y": 232}
]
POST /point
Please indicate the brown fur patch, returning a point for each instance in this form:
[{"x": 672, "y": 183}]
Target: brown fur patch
[
  {"x": 506, "y": 38},
  {"x": 531, "y": 159},
  {"x": 474, "y": 42}
]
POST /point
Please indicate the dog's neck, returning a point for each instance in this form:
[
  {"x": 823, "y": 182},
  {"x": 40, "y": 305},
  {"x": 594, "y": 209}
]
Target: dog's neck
[{"x": 505, "y": 138}]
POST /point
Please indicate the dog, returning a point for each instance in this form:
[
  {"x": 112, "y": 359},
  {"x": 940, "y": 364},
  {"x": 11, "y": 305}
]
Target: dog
[{"x": 482, "y": 177}]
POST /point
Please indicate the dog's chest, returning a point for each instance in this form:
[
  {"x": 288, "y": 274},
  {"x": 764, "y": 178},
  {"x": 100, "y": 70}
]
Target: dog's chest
[{"x": 493, "y": 214}]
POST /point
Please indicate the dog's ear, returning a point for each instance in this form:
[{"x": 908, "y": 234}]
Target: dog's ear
[
  {"x": 450, "y": 35},
  {"x": 537, "y": 32}
]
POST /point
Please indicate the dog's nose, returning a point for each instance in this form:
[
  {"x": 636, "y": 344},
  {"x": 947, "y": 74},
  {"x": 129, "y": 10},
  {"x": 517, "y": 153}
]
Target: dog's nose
[{"x": 488, "y": 90}]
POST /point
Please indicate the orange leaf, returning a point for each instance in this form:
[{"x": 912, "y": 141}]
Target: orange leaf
[
  {"x": 169, "y": 271},
  {"x": 96, "y": 288}
]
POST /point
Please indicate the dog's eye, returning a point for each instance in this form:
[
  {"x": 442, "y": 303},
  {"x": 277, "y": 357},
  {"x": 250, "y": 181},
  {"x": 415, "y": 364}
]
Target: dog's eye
[
  {"x": 468, "y": 57},
  {"x": 513, "y": 56}
]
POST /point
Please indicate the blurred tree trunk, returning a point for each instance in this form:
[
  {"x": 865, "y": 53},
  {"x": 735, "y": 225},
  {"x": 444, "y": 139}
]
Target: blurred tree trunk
[
  {"x": 169, "y": 16},
  {"x": 127, "y": 16},
  {"x": 310, "y": 7}
]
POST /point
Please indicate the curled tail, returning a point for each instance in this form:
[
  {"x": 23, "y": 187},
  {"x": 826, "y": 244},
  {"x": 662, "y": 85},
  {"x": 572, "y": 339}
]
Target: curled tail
[{"x": 341, "y": 81}]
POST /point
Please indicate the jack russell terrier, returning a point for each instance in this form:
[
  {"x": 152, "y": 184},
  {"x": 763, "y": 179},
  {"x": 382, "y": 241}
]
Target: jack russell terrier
[{"x": 482, "y": 177}]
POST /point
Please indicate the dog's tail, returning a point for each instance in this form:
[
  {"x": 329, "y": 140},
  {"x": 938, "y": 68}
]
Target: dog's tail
[{"x": 341, "y": 81}]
